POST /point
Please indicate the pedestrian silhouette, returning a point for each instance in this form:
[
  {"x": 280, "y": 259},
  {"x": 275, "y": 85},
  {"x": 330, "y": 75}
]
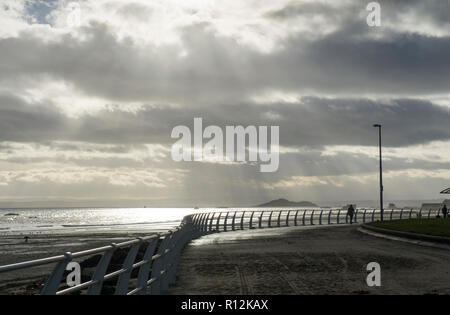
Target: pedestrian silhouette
[
  {"x": 444, "y": 211},
  {"x": 350, "y": 213}
]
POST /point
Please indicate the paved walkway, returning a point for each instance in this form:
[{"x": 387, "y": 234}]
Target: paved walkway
[{"x": 308, "y": 260}]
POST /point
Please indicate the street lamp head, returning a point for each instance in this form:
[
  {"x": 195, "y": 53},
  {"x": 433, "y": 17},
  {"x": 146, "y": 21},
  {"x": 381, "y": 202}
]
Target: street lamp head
[{"x": 377, "y": 125}]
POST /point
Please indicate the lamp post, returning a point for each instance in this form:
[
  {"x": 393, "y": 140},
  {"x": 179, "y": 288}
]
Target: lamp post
[{"x": 381, "y": 172}]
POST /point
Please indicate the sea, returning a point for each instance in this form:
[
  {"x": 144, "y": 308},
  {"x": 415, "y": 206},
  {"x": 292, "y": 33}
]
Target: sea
[{"x": 67, "y": 220}]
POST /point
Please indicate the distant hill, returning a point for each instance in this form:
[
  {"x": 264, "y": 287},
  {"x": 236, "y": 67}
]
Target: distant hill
[{"x": 287, "y": 203}]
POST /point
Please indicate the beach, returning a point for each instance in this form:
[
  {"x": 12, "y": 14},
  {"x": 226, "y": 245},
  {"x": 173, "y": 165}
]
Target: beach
[
  {"x": 14, "y": 249},
  {"x": 308, "y": 260}
]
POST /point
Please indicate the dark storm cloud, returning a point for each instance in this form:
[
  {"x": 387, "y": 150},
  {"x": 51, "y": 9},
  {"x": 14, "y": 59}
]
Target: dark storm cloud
[
  {"x": 314, "y": 121},
  {"x": 216, "y": 68},
  {"x": 431, "y": 10},
  {"x": 311, "y": 122},
  {"x": 20, "y": 121}
]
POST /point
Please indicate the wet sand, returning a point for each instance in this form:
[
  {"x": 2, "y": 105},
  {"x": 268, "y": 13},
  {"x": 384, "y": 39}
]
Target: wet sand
[
  {"x": 308, "y": 260},
  {"x": 13, "y": 249}
]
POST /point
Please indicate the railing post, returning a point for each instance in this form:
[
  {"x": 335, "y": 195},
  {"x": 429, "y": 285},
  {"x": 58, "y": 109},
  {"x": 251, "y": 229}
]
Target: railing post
[
  {"x": 373, "y": 215},
  {"x": 144, "y": 270},
  {"x": 218, "y": 221},
  {"x": 320, "y": 217},
  {"x": 211, "y": 221},
  {"x": 173, "y": 257},
  {"x": 178, "y": 247},
  {"x": 260, "y": 220},
  {"x": 329, "y": 216},
  {"x": 364, "y": 216},
  {"x": 158, "y": 266},
  {"x": 410, "y": 213},
  {"x": 339, "y": 213},
  {"x": 420, "y": 213},
  {"x": 166, "y": 262},
  {"x": 295, "y": 217},
  {"x": 124, "y": 278},
  {"x": 53, "y": 281},
  {"x": 287, "y": 218},
  {"x": 205, "y": 223},
  {"x": 429, "y": 213},
  {"x": 270, "y": 219},
  {"x": 225, "y": 222},
  {"x": 195, "y": 219},
  {"x": 312, "y": 218},
  {"x": 100, "y": 271},
  {"x": 197, "y": 224},
  {"x": 204, "y": 228},
  {"x": 279, "y": 219},
  {"x": 250, "y": 224},
  {"x": 170, "y": 262},
  {"x": 392, "y": 212},
  {"x": 233, "y": 222},
  {"x": 356, "y": 215},
  {"x": 401, "y": 214},
  {"x": 200, "y": 223},
  {"x": 242, "y": 220},
  {"x": 346, "y": 218},
  {"x": 303, "y": 218}
]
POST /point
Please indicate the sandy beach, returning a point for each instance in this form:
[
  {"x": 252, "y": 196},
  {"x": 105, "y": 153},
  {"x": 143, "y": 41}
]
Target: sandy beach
[
  {"x": 13, "y": 249},
  {"x": 308, "y": 260}
]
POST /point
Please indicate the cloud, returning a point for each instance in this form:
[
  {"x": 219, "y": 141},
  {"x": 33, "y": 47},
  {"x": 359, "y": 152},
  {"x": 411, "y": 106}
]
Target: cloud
[
  {"x": 80, "y": 175},
  {"x": 99, "y": 101},
  {"x": 207, "y": 67}
]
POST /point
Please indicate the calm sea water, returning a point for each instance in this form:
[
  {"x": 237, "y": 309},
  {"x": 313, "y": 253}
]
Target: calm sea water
[{"x": 59, "y": 220}]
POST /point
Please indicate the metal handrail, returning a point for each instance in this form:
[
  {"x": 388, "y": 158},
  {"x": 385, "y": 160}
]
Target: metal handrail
[
  {"x": 89, "y": 252},
  {"x": 183, "y": 234}
]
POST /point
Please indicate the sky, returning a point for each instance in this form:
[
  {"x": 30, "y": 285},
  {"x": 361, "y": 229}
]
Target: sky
[{"x": 87, "y": 105}]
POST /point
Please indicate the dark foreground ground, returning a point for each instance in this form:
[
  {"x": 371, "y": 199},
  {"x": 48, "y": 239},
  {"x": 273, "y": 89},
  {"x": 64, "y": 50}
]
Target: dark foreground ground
[
  {"x": 13, "y": 249},
  {"x": 325, "y": 260}
]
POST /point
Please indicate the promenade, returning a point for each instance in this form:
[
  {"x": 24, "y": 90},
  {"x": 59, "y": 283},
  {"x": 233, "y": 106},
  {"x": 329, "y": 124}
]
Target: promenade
[{"x": 308, "y": 260}]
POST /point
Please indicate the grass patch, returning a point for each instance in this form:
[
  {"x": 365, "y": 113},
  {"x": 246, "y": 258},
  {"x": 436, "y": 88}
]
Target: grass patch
[{"x": 435, "y": 227}]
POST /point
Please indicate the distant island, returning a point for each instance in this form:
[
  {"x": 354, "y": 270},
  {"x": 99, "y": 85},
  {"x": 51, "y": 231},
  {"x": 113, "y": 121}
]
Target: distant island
[{"x": 287, "y": 203}]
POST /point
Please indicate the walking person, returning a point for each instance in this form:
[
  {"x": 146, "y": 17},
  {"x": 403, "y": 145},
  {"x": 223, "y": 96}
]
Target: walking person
[
  {"x": 444, "y": 211},
  {"x": 351, "y": 213}
]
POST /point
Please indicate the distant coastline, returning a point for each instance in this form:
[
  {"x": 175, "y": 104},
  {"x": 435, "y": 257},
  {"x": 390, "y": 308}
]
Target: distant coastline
[{"x": 287, "y": 203}]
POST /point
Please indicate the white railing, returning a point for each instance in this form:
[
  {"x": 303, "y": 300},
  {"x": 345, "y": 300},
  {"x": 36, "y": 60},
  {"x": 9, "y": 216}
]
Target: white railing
[
  {"x": 250, "y": 219},
  {"x": 156, "y": 270}
]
